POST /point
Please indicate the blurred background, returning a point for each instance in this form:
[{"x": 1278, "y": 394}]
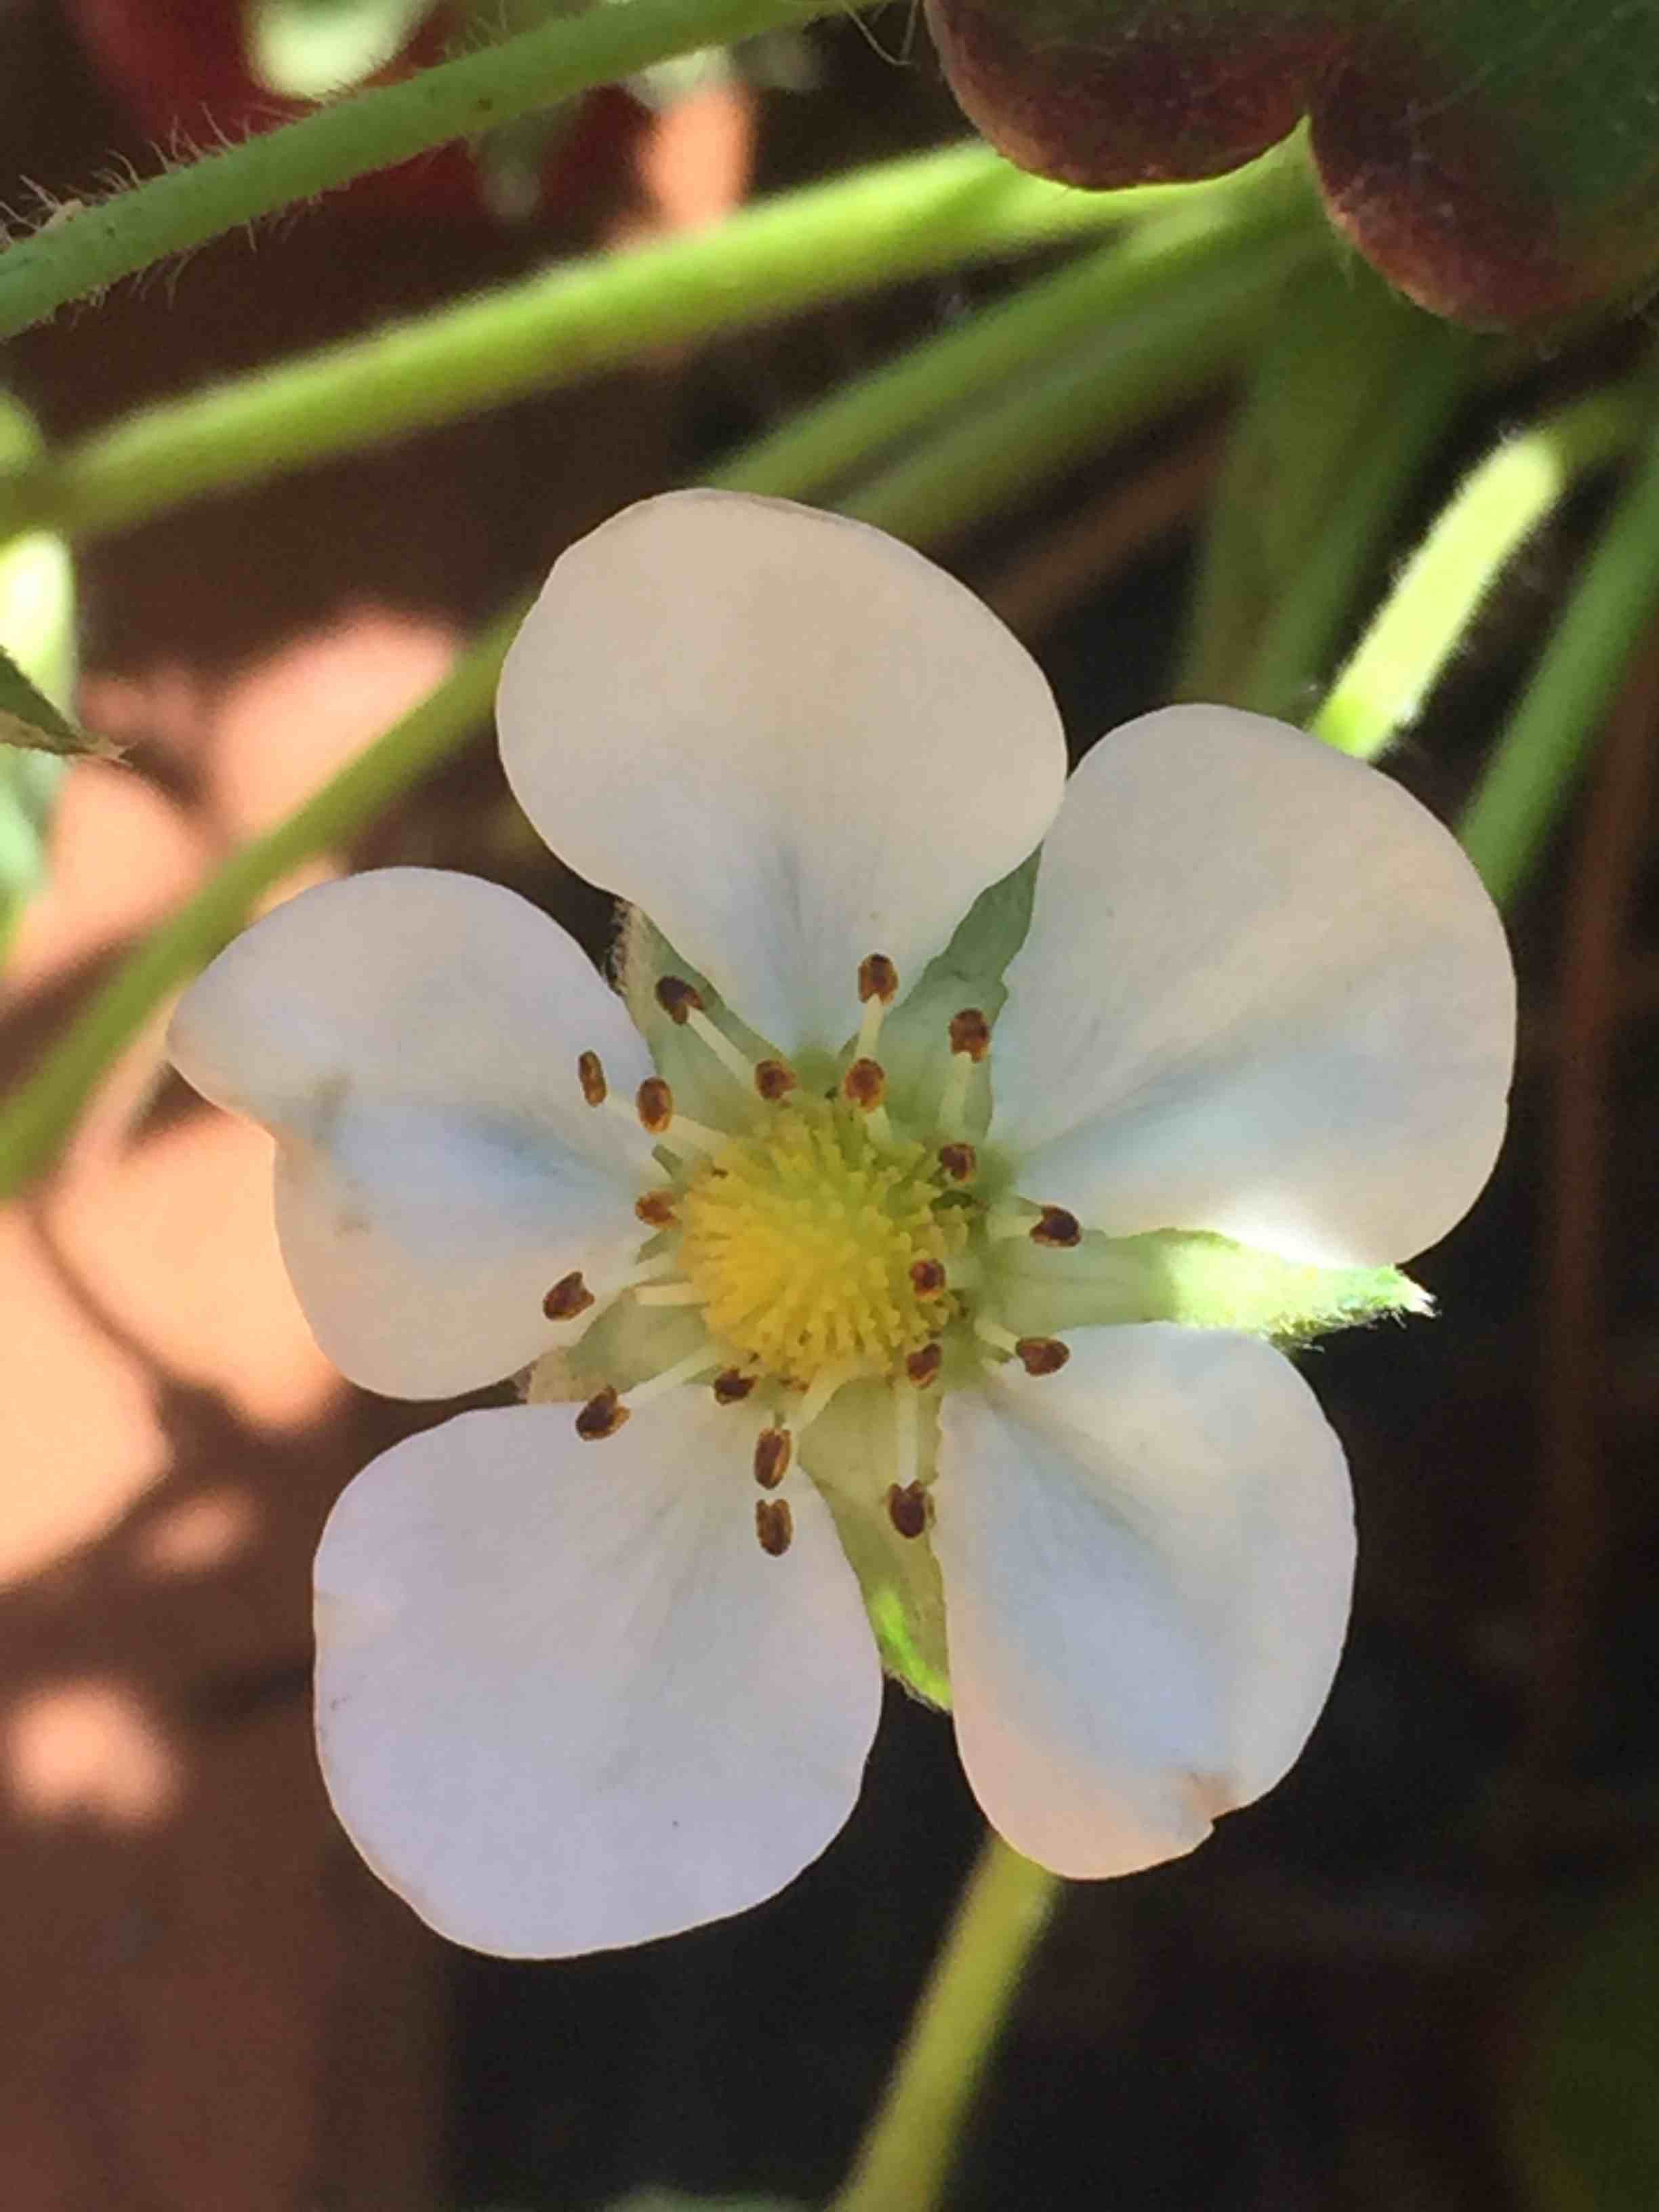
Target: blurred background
[{"x": 1424, "y": 1977}]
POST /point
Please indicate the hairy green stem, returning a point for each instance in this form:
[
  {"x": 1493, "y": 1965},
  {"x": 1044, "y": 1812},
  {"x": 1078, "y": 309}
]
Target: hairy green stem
[
  {"x": 905, "y": 2160},
  {"x": 894, "y": 220},
  {"x": 1440, "y": 589},
  {"x": 95, "y": 244},
  {"x": 1535, "y": 767}
]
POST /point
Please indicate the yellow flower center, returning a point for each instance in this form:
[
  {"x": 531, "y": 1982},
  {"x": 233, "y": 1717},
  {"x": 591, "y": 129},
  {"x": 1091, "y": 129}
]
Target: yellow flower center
[{"x": 810, "y": 1247}]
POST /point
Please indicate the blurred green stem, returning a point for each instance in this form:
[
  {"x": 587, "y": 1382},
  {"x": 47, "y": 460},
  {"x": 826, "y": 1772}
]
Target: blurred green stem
[
  {"x": 1440, "y": 589},
  {"x": 94, "y": 245},
  {"x": 1351, "y": 393},
  {"x": 905, "y": 2160},
  {"x": 894, "y": 220},
  {"x": 1531, "y": 775}
]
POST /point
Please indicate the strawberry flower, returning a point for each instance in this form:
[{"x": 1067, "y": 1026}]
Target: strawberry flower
[{"x": 897, "y": 1261}]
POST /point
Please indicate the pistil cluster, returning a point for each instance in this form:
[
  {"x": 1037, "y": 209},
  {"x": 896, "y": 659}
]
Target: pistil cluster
[{"x": 820, "y": 1239}]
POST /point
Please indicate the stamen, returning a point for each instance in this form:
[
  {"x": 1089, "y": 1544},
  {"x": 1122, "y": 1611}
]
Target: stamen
[
  {"x": 654, "y": 1102},
  {"x": 922, "y": 1367},
  {"x": 773, "y": 1450},
  {"x": 655, "y": 1208},
  {"x": 683, "y": 1370},
  {"x": 1057, "y": 1229},
  {"x": 1018, "y": 1220},
  {"x": 731, "y": 1386},
  {"x": 602, "y": 1416},
  {"x": 907, "y": 1438},
  {"x": 569, "y": 1297},
  {"x": 909, "y": 1509},
  {"x": 959, "y": 1162},
  {"x": 877, "y": 988},
  {"x": 970, "y": 1040},
  {"x": 774, "y": 1525},
  {"x": 670, "y": 1294},
  {"x": 928, "y": 1278},
  {"x": 993, "y": 1333},
  {"x": 865, "y": 1087},
  {"x": 590, "y": 1073},
  {"x": 677, "y": 998},
  {"x": 736, "y": 1062},
  {"x": 773, "y": 1080},
  {"x": 971, "y": 1035},
  {"x": 828, "y": 1381},
  {"x": 649, "y": 1271},
  {"x": 1041, "y": 1355}
]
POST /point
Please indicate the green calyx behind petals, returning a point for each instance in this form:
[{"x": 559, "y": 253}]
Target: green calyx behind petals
[
  {"x": 1194, "y": 1277},
  {"x": 701, "y": 1087},
  {"x": 842, "y": 1451},
  {"x": 968, "y": 973}
]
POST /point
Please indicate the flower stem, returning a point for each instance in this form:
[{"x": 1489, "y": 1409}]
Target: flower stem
[
  {"x": 1440, "y": 589},
  {"x": 1539, "y": 751},
  {"x": 1350, "y": 392},
  {"x": 905, "y": 2158},
  {"x": 1106, "y": 291},
  {"x": 894, "y": 219},
  {"x": 1183, "y": 340},
  {"x": 105, "y": 240}
]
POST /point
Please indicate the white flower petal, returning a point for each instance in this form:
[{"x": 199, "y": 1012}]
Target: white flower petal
[
  {"x": 789, "y": 738},
  {"x": 1147, "y": 1561},
  {"x": 411, "y": 1038},
  {"x": 564, "y": 1700},
  {"x": 1264, "y": 993}
]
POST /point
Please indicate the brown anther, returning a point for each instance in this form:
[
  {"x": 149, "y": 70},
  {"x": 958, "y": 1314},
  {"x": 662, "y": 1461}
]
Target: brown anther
[
  {"x": 773, "y": 1080},
  {"x": 590, "y": 1073},
  {"x": 877, "y": 979},
  {"x": 928, "y": 1278},
  {"x": 602, "y": 1416},
  {"x": 1057, "y": 1229},
  {"x": 865, "y": 1085},
  {"x": 909, "y": 1509},
  {"x": 922, "y": 1367},
  {"x": 655, "y": 1208},
  {"x": 970, "y": 1033},
  {"x": 774, "y": 1524},
  {"x": 677, "y": 998},
  {"x": 1042, "y": 1355},
  {"x": 569, "y": 1297},
  {"x": 654, "y": 1103},
  {"x": 959, "y": 1162},
  {"x": 773, "y": 1450},
  {"x": 731, "y": 1386}
]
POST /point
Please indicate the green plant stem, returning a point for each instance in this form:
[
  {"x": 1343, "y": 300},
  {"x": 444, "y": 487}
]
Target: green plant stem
[
  {"x": 97, "y": 243},
  {"x": 905, "y": 2158},
  {"x": 1440, "y": 589},
  {"x": 1183, "y": 341},
  {"x": 1102, "y": 292},
  {"x": 1532, "y": 772},
  {"x": 894, "y": 220}
]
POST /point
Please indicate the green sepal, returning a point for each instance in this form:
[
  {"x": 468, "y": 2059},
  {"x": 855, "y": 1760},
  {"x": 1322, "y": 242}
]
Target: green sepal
[
  {"x": 701, "y": 1087},
  {"x": 623, "y": 1346},
  {"x": 1191, "y": 1276},
  {"x": 914, "y": 1039},
  {"x": 37, "y": 626},
  {"x": 848, "y": 1451}
]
